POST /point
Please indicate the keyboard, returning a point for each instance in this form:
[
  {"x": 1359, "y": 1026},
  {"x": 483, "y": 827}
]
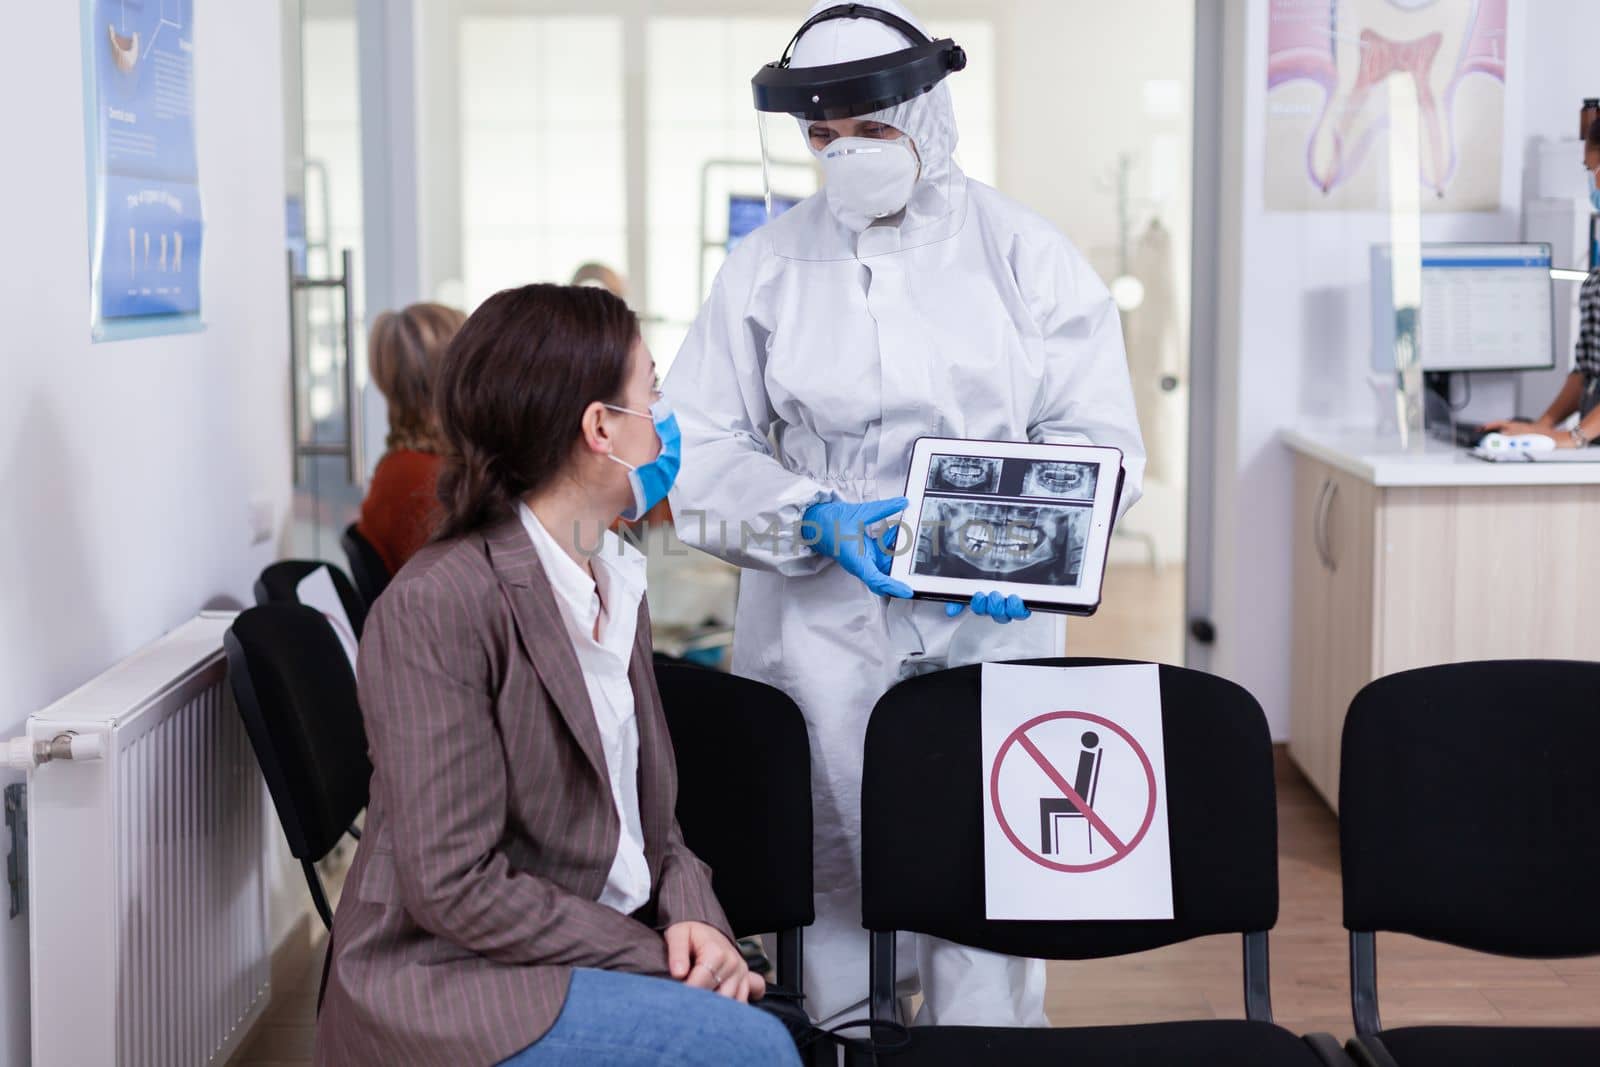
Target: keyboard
[{"x": 1460, "y": 434}]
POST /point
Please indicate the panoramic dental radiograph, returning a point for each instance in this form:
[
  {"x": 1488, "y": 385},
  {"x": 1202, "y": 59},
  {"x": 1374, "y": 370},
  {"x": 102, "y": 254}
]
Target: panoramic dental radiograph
[
  {"x": 964, "y": 474},
  {"x": 1026, "y": 543},
  {"x": 1070, "y": 481}
]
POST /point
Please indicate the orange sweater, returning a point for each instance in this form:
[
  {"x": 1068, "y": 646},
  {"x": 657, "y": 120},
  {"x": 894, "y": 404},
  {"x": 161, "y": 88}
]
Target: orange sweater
[{"x": 402, "y": 507}]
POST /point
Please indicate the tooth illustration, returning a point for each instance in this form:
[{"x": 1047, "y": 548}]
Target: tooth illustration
[
  {"x": 124, "y": 50},
  {"x": 1433, "y": 45},
  {"x": 163, "y": 253},
  {"x": 133, "y": 252},
  {"x": 1360, "y": 115},
  {"x": 146, "y": 251},
  {"x": 177, "y": 252}
]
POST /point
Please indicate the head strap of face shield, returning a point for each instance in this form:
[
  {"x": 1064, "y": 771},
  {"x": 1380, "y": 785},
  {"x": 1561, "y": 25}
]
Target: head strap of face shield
[{"x": 845, "y": 90}]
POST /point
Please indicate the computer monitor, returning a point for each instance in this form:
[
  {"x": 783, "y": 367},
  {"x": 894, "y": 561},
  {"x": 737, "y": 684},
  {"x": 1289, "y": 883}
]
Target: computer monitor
[
  {"x": 1485, "y": 307},
  {"x": 745, "y": 213}
]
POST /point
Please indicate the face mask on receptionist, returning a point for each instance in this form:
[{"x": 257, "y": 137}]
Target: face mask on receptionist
[{"x": 869, "y": 177}]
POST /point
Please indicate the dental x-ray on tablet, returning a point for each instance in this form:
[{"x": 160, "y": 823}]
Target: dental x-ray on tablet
[{"x": 1029, "y": 519}]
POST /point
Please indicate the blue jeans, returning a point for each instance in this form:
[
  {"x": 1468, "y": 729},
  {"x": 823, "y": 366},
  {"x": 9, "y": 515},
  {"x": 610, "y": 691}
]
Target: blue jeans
[{"x": 613, "y": 1019}]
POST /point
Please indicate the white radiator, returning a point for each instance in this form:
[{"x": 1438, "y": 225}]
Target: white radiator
[{"x": 147, "y": 899}]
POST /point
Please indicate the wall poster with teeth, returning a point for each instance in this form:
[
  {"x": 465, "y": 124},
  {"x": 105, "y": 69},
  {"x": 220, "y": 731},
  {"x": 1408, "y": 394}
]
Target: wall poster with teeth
[
  {"x": 145, "y": 224},
  {"x": 1030, "y": 519},
  {"x": 1330, "y": 65}
]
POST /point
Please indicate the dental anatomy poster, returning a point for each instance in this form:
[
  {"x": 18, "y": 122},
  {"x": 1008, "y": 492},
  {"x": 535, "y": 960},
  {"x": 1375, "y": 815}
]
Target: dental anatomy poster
[
  {"x": 145, "y": 223},
  {"x": 1330, "y": 64}
]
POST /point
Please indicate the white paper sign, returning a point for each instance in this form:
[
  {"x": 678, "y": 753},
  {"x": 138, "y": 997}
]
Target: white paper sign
[
  {"x": 316, "y": 591},
  {"x": 1075, "y": 793}
]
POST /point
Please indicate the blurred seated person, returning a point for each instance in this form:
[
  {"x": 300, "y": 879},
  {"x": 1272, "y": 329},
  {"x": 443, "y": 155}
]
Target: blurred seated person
[
  {"x": 401, "y": 508},
  {"x": 1580, "y": 393}
]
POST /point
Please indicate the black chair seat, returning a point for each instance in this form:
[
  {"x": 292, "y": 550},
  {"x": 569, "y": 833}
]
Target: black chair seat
[
  {"x": 1203, "y": 1043},
  {"x": 1483, "y": 1046}
]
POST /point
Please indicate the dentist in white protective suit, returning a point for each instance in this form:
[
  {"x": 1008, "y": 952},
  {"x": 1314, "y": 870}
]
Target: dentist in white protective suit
[{"x": 904, "y": 300}]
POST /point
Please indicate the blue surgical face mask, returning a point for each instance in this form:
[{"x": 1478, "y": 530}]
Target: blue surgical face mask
[
  {"x": 651, "y": 481},
  {"x": 1589, "y": 187}
]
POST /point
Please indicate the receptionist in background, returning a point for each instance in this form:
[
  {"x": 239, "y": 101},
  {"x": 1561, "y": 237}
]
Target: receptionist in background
[{"x": 1581, "y": 391}]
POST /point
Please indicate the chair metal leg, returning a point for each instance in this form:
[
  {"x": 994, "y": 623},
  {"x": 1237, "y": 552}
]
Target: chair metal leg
[
  {"x": 318, "y": 897},
  {"x": 327, "y": 965},
  {"x": 1364, "y": 982},
  {"x": 1257, "y": 978},
  {"x": 788, "y": 965},
  {"x": 885, "y": 1007},
  {"x": 1369, "y": 1052},
  {"x": 1328, "y": 1050}
]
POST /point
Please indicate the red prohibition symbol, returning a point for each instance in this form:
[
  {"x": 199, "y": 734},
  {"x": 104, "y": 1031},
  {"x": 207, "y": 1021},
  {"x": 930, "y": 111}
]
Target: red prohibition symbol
[{"x": 1020, "y": 741}]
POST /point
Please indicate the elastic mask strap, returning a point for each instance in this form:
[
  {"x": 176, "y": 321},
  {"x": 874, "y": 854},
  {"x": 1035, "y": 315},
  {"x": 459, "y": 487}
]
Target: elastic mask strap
[{"x": 626, "y": 411}]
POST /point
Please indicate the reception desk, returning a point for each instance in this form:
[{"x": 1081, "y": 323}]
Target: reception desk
[{"x": 1405, "y": 559}]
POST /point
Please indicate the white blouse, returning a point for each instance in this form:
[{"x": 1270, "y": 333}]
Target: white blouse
[{"x": 611, "y": 597}]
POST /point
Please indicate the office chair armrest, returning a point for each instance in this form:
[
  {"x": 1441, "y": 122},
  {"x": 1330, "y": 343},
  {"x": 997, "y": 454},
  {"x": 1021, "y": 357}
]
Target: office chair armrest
[
  {"x": 1329, "y": 1051},
  {"x": 1369, "y": 1052}
]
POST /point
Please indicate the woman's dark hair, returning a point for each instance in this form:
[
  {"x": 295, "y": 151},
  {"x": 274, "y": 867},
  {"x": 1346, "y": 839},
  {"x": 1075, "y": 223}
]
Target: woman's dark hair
[{"x": 512, "y": 390}]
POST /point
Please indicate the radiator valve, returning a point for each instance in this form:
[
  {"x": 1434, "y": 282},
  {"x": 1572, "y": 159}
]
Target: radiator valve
[{"x": 24, "y": 754}]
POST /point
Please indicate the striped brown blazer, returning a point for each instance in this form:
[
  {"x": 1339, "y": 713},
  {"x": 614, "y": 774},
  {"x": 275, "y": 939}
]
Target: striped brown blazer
[{"x": 492, "y": 827}]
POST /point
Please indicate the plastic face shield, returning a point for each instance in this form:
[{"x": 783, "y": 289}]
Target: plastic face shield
[
  {"x": 860, "y": 87},
  {"x": 802, "y": 110}
]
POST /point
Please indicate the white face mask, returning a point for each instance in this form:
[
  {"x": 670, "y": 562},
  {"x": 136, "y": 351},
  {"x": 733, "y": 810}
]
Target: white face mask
[{"x": 868, "y": 178}]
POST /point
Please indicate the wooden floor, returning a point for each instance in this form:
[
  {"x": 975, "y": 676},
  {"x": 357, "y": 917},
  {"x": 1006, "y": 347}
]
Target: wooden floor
[
  {"x": 1141, "y": 617},
  {"x": 1418, "y": 982}
]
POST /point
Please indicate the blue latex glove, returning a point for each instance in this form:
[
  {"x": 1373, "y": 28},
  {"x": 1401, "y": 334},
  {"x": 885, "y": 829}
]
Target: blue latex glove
[
  {"x": 1000, "y": 608},
  {"x": 837, "y": 529}
]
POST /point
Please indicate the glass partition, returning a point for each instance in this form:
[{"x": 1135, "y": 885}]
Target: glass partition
[{"x": 619, "y": 144}]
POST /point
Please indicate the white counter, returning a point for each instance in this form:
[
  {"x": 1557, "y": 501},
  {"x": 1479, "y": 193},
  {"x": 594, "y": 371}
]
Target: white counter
[{"x": 1382, "y": 462}]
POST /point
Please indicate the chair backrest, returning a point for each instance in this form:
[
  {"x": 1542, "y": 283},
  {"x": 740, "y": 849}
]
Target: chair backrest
[
  {"x": 366, "y": 566},
  {"x": 297, "y": 696},
  {"x": 279, "y": 582},
  {"x": 1469, "y": 802},
  {"x": 922, "y": 819},
  {"x": 754, "y": 831}
]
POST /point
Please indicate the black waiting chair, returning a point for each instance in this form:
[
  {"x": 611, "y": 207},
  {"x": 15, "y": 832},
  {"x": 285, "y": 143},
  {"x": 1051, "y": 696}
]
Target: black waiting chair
[
  {"x": 923, "y": 870},
  {"x": 366, "y": 566},
  {"x": 1469, "y": 814},
  {"x": 279, "y": 584},
  {"x": 297, "y": 696},
  {"x": 759, "y": 848}
]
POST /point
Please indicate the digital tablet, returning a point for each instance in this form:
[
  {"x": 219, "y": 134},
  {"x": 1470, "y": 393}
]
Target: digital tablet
[{"x": 1007, "y": 516}]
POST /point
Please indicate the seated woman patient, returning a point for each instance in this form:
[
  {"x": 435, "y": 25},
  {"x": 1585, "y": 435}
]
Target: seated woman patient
[
  {"x": 401, "y": 508},
  {"x": 522, "y": 893}
]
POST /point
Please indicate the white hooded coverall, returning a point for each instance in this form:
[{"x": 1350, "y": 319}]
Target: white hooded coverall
[{"x": 825, "y": 349}]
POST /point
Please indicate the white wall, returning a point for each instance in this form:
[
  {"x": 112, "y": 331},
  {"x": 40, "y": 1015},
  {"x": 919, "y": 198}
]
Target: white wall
[
  {"x": 1071, "y": 100},
  {"x": 1293, "y": 343},
  {"x": 129, "y": 468}
]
